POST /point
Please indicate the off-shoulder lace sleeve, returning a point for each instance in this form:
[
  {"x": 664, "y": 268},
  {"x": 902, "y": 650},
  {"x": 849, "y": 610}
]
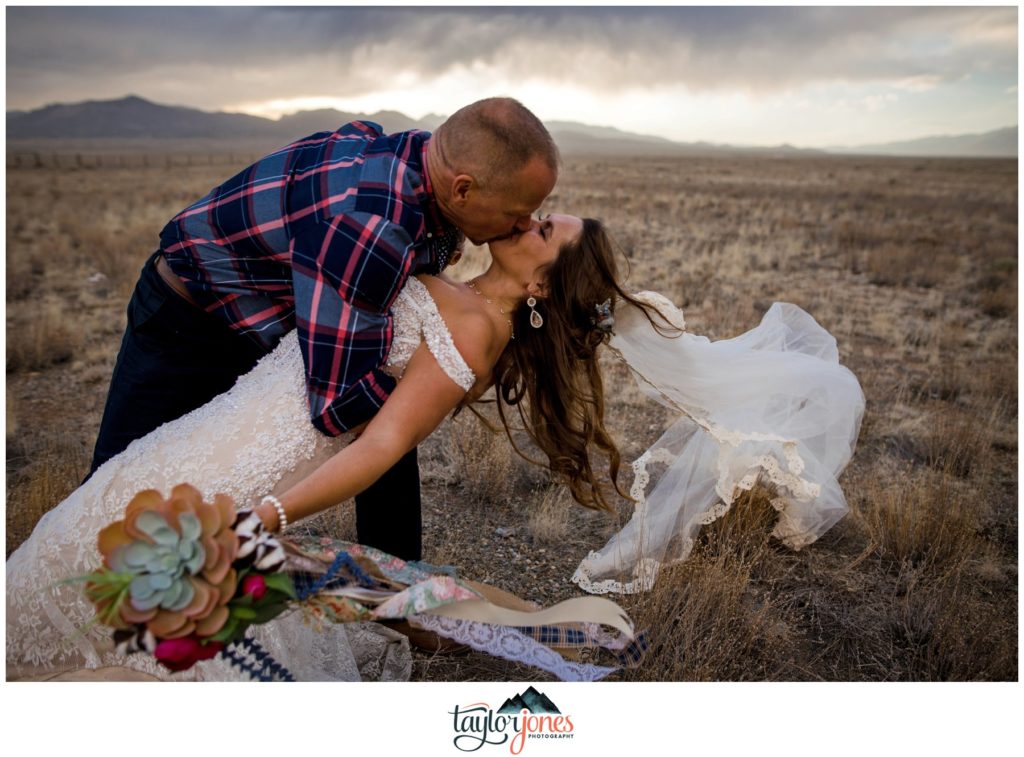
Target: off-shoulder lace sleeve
[{"x": 438, "y": 338}]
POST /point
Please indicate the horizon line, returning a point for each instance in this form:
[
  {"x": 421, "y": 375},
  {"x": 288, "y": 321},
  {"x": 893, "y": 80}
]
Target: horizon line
[{"x": 627, "y": 134}]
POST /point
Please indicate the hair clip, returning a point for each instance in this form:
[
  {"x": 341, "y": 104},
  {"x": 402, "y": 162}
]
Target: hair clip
[{"x": 604, "y": 321}]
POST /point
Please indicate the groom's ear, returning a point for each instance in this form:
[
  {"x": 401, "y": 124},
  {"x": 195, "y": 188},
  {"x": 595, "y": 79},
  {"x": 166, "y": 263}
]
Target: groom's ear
[{"x": 462, "y": 185}]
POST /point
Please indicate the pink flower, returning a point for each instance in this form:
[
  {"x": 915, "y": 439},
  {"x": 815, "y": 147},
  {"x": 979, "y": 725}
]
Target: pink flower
[
  {"x": 183, "y": 653},
  {"x": 254, "y": 585}
]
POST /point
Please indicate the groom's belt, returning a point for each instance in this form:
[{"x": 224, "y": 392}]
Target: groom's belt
[{"x": 172, "y": 280}]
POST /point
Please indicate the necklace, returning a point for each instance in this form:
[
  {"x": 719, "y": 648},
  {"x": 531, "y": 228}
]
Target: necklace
[{"x": 511, "y": 331}]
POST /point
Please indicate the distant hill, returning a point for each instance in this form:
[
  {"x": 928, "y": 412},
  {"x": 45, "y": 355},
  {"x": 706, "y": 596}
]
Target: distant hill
[
  {"x": 131, "y": 117},
  {"x": 134, "y": 119},
  {"x": 603, "y": 132},
  {"x": 1001, "y": 143},
  {"x": 310, "y": 121}
]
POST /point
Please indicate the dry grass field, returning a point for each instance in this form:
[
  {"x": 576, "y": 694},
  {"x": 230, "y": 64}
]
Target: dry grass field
[{"x": 911, "y": 264}]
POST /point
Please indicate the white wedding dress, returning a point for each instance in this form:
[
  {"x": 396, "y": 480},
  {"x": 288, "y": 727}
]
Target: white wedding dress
[{"x": 253, "y": 440}]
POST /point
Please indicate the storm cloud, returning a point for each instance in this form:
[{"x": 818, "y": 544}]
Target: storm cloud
[
  {"x": 810, "y": 75},
  {"x": 210, "y": 56}
]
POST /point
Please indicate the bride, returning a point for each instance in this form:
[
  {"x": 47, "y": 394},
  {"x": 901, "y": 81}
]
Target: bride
[{"x": 773, "y": 402}]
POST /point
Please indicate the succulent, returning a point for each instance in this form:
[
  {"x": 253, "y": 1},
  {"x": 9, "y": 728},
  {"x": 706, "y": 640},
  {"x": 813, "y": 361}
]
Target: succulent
[
  {"x": 162, "y": 568},
  {"x": 176, "y": 556}
]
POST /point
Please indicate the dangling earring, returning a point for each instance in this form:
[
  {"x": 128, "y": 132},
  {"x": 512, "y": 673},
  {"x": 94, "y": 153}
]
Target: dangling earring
[{"x": 535, "y": 318}]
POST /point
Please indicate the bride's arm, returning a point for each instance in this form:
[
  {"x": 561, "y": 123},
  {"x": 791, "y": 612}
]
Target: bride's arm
[{"x": 418, "y": 405}]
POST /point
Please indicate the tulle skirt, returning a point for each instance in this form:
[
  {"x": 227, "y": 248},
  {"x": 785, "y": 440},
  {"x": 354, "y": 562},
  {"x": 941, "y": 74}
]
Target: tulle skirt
[{"x": 773, "y": 404}]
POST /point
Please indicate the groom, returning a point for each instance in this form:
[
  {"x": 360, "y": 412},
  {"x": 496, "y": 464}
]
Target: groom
[{"x": 321, "y": 236}]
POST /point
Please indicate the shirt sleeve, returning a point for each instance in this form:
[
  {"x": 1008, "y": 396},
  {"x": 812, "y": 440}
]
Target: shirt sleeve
[{"x": 347, "y": 273}]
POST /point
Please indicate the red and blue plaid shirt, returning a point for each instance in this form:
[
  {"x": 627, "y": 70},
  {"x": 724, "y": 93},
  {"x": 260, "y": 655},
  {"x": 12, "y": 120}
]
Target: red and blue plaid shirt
[{"x": 319, "y": 236}]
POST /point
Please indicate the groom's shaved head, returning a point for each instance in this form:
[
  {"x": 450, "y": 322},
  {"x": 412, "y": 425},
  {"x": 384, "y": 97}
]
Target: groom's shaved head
[{"x": 492, "y": 139}]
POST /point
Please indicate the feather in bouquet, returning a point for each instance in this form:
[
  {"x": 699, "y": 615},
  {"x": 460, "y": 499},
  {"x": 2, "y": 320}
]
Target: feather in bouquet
[{"x": 183, "y": 580}]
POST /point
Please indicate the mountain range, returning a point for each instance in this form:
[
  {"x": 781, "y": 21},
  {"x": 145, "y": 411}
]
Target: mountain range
[{"x": 134, "y": 118}]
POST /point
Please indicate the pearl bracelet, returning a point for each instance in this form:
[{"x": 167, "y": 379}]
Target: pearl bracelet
[{"x": 282, "y": 516}]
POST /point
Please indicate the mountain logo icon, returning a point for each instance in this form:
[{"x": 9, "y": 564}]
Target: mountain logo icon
[{"x": 531, "y": 700}]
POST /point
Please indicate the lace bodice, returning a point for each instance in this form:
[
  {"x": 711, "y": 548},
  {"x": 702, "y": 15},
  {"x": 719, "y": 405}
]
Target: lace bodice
[{"x": 254, "y": 439}]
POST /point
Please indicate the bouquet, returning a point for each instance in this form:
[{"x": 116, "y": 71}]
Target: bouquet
[
  {"x": 183, "y": 580},
  {"x": 182, "y": 577}
]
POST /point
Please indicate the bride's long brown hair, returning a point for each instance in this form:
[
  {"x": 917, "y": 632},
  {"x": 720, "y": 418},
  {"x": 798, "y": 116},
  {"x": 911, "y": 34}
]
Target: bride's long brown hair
[{"x": 550, "y": 374}]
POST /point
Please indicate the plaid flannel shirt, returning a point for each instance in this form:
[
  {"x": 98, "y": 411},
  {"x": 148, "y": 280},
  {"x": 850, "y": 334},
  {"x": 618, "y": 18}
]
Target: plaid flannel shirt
[{"x": 319, "y": 236}]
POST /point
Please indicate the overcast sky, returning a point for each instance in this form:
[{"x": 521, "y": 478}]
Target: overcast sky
[{"x": 807, "y": 76}]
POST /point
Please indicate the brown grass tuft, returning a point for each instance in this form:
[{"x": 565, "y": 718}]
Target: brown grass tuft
[
  {"x": 483, "y": 462},
  {"x": 746, "y": 526},
  {"x": 925, "y": 522},
  {"x": 710, "y": 617},
  {"x": 708, "y": 622},
  {"x": 48, "y": 472},
  {"x": 949, "y": 438},
  {"x": 945, "y": 632},
  {"x": 998, "y": 303},
  {"x": 44, "y": 337},
  {"x": 549, "y": 518},
  {"x": 905, "y": 265}
]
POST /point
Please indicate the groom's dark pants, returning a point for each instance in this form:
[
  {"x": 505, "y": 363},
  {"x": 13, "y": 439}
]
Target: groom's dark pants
[{"x": 175, "y": 357}]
